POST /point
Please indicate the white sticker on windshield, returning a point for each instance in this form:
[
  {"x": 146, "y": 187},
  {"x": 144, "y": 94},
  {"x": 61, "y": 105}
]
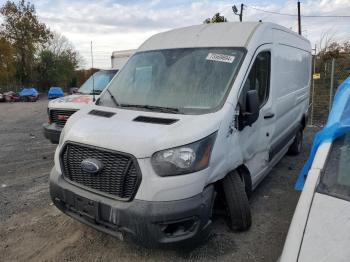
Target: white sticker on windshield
[{"x": 220, "y": 58}]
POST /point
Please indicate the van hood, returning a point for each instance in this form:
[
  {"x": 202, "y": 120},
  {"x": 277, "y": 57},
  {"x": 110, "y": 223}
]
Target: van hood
[
  {"x": 122, "y": 133},
  {"x": 71, "y": 102}
]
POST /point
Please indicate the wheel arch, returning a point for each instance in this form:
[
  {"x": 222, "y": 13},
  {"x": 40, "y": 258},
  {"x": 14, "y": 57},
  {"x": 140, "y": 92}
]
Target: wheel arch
[
  {"x": 304, "y": 120},
  {"x": 244, "y": 172}
]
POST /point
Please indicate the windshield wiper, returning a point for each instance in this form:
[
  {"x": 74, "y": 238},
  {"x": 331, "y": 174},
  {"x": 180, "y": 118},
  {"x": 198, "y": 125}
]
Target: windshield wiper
[
  {"x": 96, "y": 92},
  {"x": 154, "y": 108},
  {"x": 113, "y": 98}
]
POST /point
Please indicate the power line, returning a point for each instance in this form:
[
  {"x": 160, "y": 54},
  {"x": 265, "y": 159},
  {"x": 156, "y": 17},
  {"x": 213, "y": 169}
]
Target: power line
[{"x": 293, "y": 15}]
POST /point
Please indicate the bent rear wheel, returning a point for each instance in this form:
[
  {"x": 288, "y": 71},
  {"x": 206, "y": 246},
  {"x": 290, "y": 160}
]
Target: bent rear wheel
[{"x": 297, "y": 145}]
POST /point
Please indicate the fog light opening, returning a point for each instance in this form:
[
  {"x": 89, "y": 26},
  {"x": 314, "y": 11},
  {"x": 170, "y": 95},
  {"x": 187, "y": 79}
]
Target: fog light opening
[{"x": 179, "y": 228}]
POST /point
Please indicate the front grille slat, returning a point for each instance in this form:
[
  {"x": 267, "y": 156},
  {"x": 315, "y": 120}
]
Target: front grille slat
[
  {"x": 119, "y": 176},
  {"x": 60, "y": 117}
]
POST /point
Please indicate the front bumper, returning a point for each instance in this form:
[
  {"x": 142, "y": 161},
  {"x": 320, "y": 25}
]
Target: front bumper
[
  {"x": 149, "y": 223},
  {"x": 52, "y": 132}
]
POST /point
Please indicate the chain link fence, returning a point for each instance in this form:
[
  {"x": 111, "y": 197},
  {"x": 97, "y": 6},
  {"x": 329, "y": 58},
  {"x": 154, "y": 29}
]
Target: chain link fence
[{"x": 328, "y": 74}]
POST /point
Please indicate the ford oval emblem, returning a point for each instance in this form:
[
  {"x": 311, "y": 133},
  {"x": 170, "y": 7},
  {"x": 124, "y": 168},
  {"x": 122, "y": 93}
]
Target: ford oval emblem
[{"x": 91, "y": 165}]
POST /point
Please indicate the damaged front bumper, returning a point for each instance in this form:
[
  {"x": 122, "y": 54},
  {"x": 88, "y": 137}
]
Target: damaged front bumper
[
  {"x": 52, "y": 132},
  {"x": 149, "y": 223}
]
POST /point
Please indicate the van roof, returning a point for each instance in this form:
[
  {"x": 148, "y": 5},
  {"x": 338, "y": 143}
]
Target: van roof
[{"x": 230, "y": 34}]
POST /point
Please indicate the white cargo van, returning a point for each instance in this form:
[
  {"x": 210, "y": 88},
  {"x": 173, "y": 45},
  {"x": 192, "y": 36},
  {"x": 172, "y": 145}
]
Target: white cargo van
[
  {"x": 197, "y": 113},
  {"x": 60, "y": 109}
]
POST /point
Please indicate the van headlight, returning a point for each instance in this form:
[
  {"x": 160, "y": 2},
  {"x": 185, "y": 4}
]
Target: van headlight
[{"x": 184, "y": 159}]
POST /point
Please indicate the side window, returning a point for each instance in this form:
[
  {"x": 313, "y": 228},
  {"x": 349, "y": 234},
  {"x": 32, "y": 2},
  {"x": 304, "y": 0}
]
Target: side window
[{"x": 259, "y": 77}]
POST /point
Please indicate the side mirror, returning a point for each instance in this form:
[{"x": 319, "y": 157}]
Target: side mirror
[{"x": 251, "y": 113}]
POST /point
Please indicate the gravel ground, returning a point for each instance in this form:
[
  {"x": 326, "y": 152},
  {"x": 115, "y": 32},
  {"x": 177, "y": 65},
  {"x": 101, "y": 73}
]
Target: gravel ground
[{"x": 32, "y": 229}]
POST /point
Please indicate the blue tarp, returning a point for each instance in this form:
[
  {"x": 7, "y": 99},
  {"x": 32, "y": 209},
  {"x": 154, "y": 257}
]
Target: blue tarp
[
  {"x": 31, "y": 91},
  {"x": 55, "y": 92},
  {"x": 338, "y": 124}
]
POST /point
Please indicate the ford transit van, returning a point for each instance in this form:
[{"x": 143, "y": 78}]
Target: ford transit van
[
  {"x": 197, "y": 115},
  {"x": 60, "y": 109}
]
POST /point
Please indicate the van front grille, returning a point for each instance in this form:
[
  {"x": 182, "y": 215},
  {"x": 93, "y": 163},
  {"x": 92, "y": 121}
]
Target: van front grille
[
  {"x": 60, "y": 117},
  {"x": 119, "y": 176}
]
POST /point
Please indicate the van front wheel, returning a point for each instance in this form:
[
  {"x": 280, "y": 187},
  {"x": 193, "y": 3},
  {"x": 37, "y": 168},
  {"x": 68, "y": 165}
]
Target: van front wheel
[{"x": 239, "y": 216}]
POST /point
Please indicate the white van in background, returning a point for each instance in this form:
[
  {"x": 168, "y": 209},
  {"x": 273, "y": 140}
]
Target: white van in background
[
  {"x": 59, "y": 110},
  {"x": 320, "y": 227},
  {"x": 197, "y": 114}
]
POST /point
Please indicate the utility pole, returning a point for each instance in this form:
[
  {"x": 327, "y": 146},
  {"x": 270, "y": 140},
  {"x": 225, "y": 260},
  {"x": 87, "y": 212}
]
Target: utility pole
[
  {"x": 313, "y": 86},
  {"x": 299, "y": 19},
  {"x": 240, "y": 14}
]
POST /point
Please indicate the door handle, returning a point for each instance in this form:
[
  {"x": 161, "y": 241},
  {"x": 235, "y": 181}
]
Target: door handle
[{"x": 271, "y": 115}]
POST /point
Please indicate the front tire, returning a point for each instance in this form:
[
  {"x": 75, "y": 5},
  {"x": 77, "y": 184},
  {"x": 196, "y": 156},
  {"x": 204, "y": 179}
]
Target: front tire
[{"x": 239, "y": 215}]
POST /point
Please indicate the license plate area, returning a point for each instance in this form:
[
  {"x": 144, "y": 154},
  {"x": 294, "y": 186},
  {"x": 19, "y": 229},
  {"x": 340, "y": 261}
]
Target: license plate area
[
  {"x": 86, "y": 207},
  {"x": 91, "y": 211}
]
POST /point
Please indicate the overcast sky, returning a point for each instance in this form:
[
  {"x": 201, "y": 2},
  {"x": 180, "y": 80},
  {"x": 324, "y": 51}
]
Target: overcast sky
[{"x": 119, "y": 25}]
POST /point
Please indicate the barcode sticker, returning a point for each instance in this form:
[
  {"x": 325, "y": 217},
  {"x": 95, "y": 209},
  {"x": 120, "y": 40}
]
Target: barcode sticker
[{"x": 220, "y": 58}]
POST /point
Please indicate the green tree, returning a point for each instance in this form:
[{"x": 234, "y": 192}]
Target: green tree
[
  {"x": 7, "y": 62},
  {"x": 47, "y": 74},
  {"x": 24, "y": 31},
  {"x": 56, "y": 69},
  {"x": 217, "y": 18},
  {"x": 66, "y": 65}
]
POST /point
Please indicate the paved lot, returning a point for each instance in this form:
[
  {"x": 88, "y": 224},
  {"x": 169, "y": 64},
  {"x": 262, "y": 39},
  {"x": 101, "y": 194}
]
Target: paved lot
[{"x": 32, "y": 229}]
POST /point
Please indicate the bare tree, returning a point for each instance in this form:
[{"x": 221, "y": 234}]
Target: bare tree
[
  {"x": 327, "y": 37},
  {"x": 59, "y": 43},
  {"x": 346, "y": 47}
]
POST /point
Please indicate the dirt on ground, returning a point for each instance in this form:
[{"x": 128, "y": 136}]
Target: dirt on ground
[{"x": 32, "y": 229}]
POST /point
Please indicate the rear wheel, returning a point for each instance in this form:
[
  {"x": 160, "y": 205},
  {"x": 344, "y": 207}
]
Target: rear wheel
[
  {"x": 297, "y": 145},
  {"x": 239, "y": 216}
]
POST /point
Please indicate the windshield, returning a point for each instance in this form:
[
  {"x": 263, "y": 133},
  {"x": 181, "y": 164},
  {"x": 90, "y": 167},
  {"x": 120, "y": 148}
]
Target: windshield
[
  {"x": 188, "y": 80},
  {"x": 336, "y": 179},
  {"x": 98, "y": 81}
]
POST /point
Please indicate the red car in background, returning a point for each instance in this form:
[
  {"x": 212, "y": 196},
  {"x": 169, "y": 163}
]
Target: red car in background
[{"x": 12, "y": 96}]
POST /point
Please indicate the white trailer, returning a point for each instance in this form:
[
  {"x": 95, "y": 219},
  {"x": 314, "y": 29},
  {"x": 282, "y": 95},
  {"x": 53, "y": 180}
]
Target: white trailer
[{"x": 119, "y": 58}]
